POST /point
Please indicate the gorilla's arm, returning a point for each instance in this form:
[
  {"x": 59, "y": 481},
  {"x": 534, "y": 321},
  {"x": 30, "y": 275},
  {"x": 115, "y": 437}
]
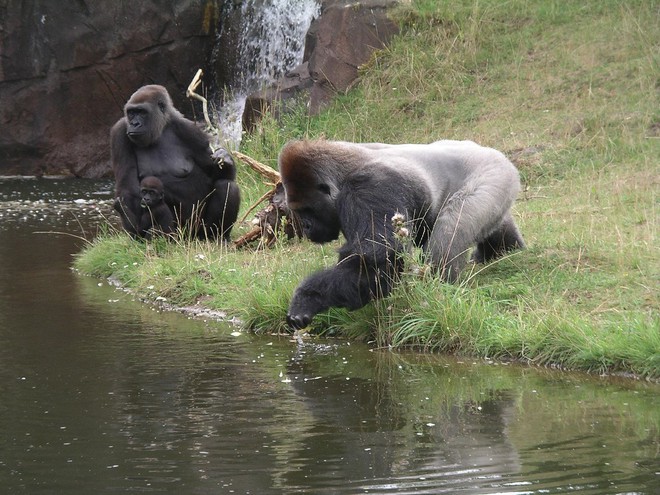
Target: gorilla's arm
[
  {"x": 197, "y": 142},
  {"x": 223, "y": 203},
  {"x": 127, "y": 183},
  {"x": 368, "y": 262},
  {"x": 158, "y": 218},
  {"x": 349, "y": 284},
  {"x": 225, "y": 162}
]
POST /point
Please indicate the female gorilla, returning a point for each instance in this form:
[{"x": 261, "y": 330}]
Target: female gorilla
[
  {"x": 451, "y": 195},
  {"x": 154, "y": 139}
]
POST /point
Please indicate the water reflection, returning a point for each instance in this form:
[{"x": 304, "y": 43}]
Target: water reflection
[
  {"x": 101, "y": 393},
  {"x": 391, "y": 440}
]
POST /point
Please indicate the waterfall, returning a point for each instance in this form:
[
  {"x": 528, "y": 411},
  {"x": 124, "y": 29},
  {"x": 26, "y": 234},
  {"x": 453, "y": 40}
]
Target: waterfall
[{"x": 271, "y": 42}]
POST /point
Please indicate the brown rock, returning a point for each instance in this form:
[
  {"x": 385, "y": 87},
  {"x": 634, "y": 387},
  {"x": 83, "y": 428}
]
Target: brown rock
[
  {"x": 338, "y": 43},
  {"x": 346, "y": 35}
]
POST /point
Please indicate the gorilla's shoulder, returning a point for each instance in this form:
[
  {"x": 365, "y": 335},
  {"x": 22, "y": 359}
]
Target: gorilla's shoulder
[
  {"x": 190, "y": 132},
  {"x": 119, "y": 128}
]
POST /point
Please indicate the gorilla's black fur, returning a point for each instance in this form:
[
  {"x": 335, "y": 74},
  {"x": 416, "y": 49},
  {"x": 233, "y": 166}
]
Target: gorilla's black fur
[
  {"x": 154, "y": 139},
  {"x": 446, "y": 197},
  {"x": 156, "y": 215}
]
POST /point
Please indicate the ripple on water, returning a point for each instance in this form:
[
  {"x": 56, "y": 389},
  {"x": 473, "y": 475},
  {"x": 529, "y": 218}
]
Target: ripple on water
[{"x": 48, "y": 203}]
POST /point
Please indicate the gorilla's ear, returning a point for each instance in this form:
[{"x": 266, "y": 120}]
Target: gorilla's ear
[
  {"x": 324, "y": 188},
  {"x": 162, "y": 106}
]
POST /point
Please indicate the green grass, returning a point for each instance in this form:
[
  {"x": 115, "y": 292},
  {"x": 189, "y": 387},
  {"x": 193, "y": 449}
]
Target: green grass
[{"x": 569, "y": 90}]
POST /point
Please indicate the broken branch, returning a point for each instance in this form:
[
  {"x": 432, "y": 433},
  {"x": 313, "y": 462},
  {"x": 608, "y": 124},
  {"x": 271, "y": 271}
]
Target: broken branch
[
  {"x": 190, "y": 93},
  {"x": 264, "y": 170}
]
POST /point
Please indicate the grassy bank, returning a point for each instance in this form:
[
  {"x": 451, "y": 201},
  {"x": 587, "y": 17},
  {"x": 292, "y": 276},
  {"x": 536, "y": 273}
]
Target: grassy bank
[{"x": 569, "y": 91}]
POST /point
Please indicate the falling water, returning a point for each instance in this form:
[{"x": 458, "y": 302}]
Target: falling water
[{"x": 271, "y": 42}]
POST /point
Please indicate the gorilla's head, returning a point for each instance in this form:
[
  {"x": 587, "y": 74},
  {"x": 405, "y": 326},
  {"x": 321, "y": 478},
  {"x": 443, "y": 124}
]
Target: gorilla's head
[
  {"x": 318, "y": 217},
  {"x": 310, "y": 187},
  {"x": 147, "y": 113},
  {"x": 152, "y": 192}
]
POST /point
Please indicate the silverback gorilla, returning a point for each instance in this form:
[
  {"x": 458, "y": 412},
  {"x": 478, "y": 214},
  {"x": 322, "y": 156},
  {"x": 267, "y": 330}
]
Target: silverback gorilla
[
  {"x": 156, "y": 215},
  {"x": 450, "y": 195},
  {"x": 154, "y": 139}
]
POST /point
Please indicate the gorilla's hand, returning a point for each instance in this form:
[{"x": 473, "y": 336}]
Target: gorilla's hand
[
  {"x": 117, "y": 205},
  {"x": 306, "y": 303},
  {"x": 298, "y": 321},
  {"x": 221, "y": 156}
]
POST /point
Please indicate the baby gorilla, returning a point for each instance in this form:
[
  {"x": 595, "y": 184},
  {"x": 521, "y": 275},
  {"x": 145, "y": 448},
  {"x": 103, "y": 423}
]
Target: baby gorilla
[{"x": 156, "y": 215}]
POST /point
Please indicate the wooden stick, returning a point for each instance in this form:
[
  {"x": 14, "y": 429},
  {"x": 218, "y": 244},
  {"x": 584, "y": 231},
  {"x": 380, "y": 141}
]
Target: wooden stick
[
  {"x": 247, "y": 238},
  {"x": 264, "y": 170},
  {"x": 263, "y": 198},
  {"x": 190, "y": 93}
]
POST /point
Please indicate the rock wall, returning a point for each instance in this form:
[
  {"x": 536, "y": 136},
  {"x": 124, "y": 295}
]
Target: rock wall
[
  {"x": 343, "y": 39},
  {"x": 68, "y": 67}
]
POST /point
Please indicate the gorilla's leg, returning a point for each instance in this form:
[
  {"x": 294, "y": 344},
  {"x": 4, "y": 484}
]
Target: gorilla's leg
[
  {"x": 222, "y": 209},
  {"x": 129, "y": 210},
  {"x": 447, "y": 248},
  {"x": 452, "y": 235},
  {"x": 505, "y": 238}
]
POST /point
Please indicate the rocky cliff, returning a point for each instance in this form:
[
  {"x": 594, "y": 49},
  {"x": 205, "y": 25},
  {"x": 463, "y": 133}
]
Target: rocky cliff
[{"x": 67, "y": 68}]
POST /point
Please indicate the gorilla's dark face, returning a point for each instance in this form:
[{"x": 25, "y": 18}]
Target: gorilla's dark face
[
  {"x": 152, "y": 192},
  {"x": 137, "y": 119},
  {"x": 318, "y": 215},
  {"x": 146, "y": 116}
]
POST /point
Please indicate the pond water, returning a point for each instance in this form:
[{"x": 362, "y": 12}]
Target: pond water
[{"x": 102, "y": 394}]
